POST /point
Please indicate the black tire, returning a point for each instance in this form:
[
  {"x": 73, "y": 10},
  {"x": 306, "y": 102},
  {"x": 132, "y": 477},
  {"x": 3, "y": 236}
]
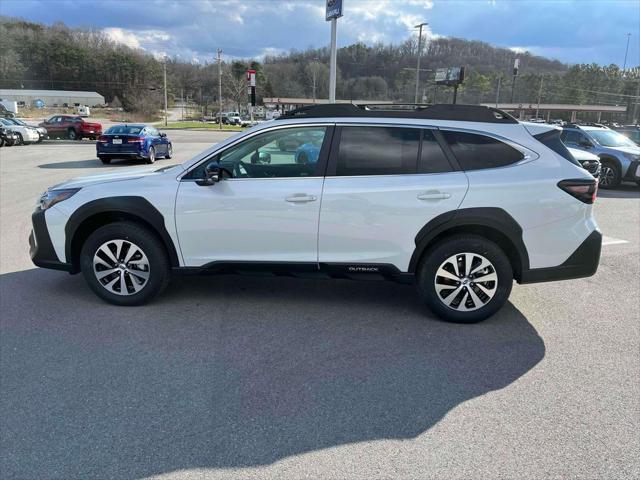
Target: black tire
[
  {"x": 104, "y": 159},
  {"x": 152, "y": 155},
  {"x": 72, "y": 135},
  {"x": 158, "y": 263},
  {"x": 439, "y": 254},
  {"x": 20, "y": 140},
  {"x": 169, "y": 152},
  {"x": 610, "y": 175}
]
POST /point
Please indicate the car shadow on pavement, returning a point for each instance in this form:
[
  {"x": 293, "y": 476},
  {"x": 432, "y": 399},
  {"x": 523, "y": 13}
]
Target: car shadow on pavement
[
  {"x": 92, "y": 163},
  {"x": 230, "y": 372}
]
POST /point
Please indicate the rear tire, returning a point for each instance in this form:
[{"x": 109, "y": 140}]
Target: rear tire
[
  {"x": 469, "y": 299},
  {"x": 152, "y": 155},
  {"x": 610, "y": 175},
  {"x": 137, "y": 257},
  {"x": 104, "y": 159},
  {"x": 71, "y": 134}
]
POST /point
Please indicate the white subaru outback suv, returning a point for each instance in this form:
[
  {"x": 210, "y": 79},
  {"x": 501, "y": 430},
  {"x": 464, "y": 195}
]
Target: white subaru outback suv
[{"x": 460, "y": 200}]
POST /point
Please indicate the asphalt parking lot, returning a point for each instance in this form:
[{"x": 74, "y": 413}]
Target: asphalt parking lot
[{"x": 250, "y": 377}]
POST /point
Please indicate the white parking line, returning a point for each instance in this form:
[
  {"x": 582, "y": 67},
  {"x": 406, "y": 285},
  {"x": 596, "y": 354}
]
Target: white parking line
[{"x": 612, "y": 241}]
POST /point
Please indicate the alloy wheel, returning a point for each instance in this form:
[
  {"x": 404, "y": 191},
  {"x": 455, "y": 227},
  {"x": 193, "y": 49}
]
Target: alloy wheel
[
  {"x": 466, "y": 282},
  {"x": 121, "y": 267},
  {"x": 607, "y": 176}
]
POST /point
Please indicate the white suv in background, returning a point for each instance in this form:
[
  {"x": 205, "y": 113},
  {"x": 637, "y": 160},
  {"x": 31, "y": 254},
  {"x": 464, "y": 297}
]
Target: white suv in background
[{"x": 459, "y": 199}]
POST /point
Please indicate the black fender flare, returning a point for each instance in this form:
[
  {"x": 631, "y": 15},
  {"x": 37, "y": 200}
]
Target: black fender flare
[
  {"x": 605, "y": 157},
  {"x": 492, "y": 218},
  {"x": 128, "y": 206}
]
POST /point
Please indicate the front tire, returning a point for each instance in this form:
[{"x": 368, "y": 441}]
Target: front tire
[
  {"x": 465, "y": 278},
  {"x": 610, "y": 175},
  {"x": 20, "y": 140},
  {"x": 169, "y": 152},
  {"x": 125, "y": 264}
]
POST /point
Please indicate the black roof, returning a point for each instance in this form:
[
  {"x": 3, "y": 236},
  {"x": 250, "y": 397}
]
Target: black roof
[{"x": 463, "y": 113}]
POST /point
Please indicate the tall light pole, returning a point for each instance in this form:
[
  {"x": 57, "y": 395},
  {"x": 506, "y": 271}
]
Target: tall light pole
[
  {"x": 415, "y": 100},
  {"x": 165, "y": 91},
  {"x": 624, "y": 66}
]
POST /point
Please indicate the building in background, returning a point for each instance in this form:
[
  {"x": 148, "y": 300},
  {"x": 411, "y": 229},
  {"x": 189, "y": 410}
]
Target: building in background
[{"x": 51, "y": 98}]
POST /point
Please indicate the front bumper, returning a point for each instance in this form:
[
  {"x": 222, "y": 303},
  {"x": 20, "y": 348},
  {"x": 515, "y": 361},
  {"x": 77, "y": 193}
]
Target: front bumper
[
  {"x": 582, "y": 263},
  {"x": 40, "y": 246},
  {"x": 633, "y": 173}
]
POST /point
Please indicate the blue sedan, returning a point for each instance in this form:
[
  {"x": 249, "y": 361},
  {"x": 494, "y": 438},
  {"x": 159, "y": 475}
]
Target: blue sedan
[{"x": 133, "y": 141}]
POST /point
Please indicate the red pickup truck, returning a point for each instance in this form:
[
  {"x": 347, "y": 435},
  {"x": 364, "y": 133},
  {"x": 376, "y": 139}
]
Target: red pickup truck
[{"x": 72, "y": 127}]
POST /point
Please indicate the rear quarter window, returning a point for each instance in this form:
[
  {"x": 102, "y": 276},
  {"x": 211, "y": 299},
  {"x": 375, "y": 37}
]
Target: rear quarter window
[{"x": 475, "y": 152}]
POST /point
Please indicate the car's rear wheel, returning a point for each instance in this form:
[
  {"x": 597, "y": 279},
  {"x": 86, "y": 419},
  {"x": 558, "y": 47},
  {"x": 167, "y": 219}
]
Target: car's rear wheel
[
  {"x": 152, "y": 155},
  {"x": 124, "y": 263},
  {"x": 465, "y": 278},
  {"x": 104, "y": 159},
  {"x": 71, "y": 134},
  {"x": 610, "y": 175}
]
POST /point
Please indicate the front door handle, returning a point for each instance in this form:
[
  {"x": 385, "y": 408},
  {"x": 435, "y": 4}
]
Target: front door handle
[
  {"x": 300, "y": 198},
  {"x": 434, "y": 196}
]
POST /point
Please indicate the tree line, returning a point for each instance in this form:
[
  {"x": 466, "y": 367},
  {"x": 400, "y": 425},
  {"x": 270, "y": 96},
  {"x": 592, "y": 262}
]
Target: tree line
[{"x": 36, "y": 56}]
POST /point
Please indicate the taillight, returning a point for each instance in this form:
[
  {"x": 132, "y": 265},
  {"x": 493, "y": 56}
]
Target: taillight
[
  {"x": 135, "y": 140},
  {"x": 583, "y": 190},
  {"x": 103, "y": 139}
]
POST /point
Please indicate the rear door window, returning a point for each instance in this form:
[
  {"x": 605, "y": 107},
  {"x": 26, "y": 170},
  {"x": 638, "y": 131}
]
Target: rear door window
[
  {"x": 432, "y": 158},
  {"x": 476, "y": 152},
  {"x": 378, "y": 151}
]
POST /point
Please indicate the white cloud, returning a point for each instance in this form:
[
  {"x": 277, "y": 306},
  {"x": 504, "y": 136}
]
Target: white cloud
[{"x": 119, "y": 35}]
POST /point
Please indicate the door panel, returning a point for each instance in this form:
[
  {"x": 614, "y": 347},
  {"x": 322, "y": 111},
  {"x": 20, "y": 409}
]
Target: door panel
[
  {"x": 268, "y": 220},
  {"x": 375, "y": 219}
]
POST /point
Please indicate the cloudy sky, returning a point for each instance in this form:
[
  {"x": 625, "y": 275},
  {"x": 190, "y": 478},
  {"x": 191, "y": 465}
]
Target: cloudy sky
[{"x": 573, "y": 31}]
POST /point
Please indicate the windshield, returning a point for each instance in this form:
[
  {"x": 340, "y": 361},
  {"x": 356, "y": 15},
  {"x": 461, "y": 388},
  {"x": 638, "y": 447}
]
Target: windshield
[
  {"x": 125, "y": 130},
  {"x": 609, "y": 138}
]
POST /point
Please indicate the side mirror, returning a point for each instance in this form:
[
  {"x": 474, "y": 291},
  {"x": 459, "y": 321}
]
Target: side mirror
[
  {"x": 213, "y": 173},
  {"x": 585, "y": 144},
  {"x": 163, "y": 135},
  {"x": 261, "y": 157}
]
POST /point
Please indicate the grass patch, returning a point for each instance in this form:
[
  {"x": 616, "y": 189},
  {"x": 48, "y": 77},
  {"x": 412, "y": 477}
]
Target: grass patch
[{"x": 187, "y": 125}]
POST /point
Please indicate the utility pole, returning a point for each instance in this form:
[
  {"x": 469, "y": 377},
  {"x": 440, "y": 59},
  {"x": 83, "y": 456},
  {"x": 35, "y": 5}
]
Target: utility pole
[
  {"x": 415, "y": 100},
  {"x": 498, "y": 91},
  {"x": 314, "y": 73},
  {"x": 624, "y": 66},
  {"x": 516, "y": 66},
  {"x": 219, "y": 88},
  {"x": 182, "y": 102},
  {"x": 165, "y": 91},
  {"x": 634, "y": 120},
  {"x": 539, "y": 97}
]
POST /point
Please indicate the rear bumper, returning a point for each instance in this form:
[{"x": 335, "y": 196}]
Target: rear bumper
[
  {"x": 40, "y": 246},
  {"x": 583, "y": 262}
]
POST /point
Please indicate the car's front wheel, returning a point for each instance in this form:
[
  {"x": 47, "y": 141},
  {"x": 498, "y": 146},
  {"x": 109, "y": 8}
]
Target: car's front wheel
[
  {"x": 465, "y": 278},
  {"x": 610, "y": 175},
  {"x": 169, "y": 152},
  {"x": 124, "y": 263}
]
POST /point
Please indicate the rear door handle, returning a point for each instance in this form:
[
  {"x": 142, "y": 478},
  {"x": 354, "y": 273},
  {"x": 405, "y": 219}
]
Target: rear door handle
[
  {"x": 300, "y": 198},
  {"x": 434, "y": 196}
]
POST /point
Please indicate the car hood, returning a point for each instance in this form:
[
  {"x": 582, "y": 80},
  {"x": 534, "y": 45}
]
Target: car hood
[
  {"x": 629, "y": 150},
  {"x": 130, "y": 174},
  {"x": 581, "y": 155}
]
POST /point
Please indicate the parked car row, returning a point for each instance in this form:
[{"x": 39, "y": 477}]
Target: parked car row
[{"x": 18, "y": 132}]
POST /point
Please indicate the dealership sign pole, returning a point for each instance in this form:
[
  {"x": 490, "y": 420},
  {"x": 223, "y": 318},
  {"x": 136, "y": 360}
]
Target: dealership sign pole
[
  {"x": 251, "y": 80},
  {"x": 334, "y": 11}
]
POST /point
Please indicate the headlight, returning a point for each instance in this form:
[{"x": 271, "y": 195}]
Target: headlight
[{"x": 51, "y": 197}]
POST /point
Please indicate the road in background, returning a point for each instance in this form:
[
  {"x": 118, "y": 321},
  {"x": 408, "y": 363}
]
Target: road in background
[{"x": 228, "y": 377}]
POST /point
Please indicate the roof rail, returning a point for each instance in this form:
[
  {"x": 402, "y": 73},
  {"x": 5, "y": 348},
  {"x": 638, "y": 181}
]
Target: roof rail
[{"x": 463, "y": 113}]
